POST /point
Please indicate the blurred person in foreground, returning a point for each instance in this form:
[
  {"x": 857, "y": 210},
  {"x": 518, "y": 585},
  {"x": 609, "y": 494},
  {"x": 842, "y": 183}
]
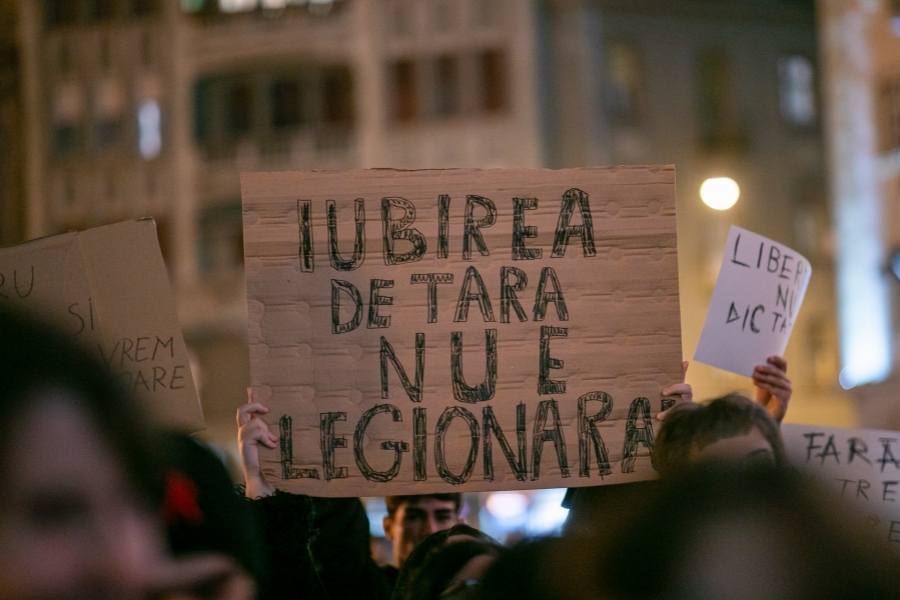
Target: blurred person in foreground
[
  {"x": 449, "y": 564},
  {"x": 716, "y": 530},
  {"x": 341, "y": 548},
  {"x": 78, "y": 505},
  {"x": 734, "y": 428}
]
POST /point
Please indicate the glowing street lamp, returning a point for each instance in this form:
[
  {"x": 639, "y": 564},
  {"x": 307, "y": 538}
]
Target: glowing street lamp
[{"x": 720, "y": 193}]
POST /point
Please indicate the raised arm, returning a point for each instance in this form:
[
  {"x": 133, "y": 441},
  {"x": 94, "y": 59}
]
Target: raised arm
[{"x": 773, "y": 388}]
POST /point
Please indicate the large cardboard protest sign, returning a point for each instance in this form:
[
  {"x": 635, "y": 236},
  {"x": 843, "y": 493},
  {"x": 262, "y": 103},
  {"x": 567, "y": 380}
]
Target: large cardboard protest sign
[
  {"x": 461, "y": 330},
  {"x": 107, "y": 287},
  {"x": 755, "y": 303},
  {"x": 860, "y": 466}
]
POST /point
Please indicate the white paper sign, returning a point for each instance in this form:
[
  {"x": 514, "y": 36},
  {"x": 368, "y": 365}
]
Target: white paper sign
[
  {"x": 861, "y": 466},
  {"x": 755, "y": 303}
]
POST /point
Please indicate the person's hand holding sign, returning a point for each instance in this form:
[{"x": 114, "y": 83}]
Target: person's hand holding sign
[
  {"x": 251, "y": 433},
  {"x": 773, "y": 388},
  {"x": 682, "y": 391}
]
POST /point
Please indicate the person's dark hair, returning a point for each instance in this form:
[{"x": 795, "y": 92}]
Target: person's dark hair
[
  {"x": 201, "y": 511},
  {"x": 762, "y": 528},
  {"x": 423, "y": 571},
  {"x": 714, "y": 530},
  {"x": 395, "y": 502},
  {"x": 34, "y": 359},
  {"x": 692, "y": 428}
]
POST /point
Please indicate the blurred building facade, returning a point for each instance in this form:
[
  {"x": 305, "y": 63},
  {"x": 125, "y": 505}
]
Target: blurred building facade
[
  {"x": 861, "y": 63},
  {"x": 153, "y": 107},
  {"x": 136, "y": 108},
  {"x": 12, "y": 163},
  {"x": 724, "y": 88}
]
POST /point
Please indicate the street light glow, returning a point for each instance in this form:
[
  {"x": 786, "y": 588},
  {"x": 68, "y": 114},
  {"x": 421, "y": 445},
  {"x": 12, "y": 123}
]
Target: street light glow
[{"x": 720, "y": 193}]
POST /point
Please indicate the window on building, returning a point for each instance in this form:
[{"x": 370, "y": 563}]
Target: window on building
[
  {"x": 62, "y": 12},
  {"x": 68, "y": 118},
  {"x": 486, "y": 13},
  {"x": 889, "y": 101},
  {"x": 221, "y": 238},
  {"x": 276, "y": 108},
  {"x": 894, "y": 6},
  {"x": 142, "y": 8},
  {"x": 446, "y": 86},
  {"x": 719, "y": 120},
  {"x": 240, "y": 108},
  {"x": 444, "y": 15},
  {"x": 204, "y": 99},
  {"x": 492, "y": 65},
  {"x": 337, "y": 96},
  {"x": 400, "y": 18},
  {"x": 287, "y": 102},
  {"x": 405, "y": 91},
  {"x": 146, "y": 49},
  {"x": 149, "y": 129},
  {"x": 109, "y": 109},
  {"x": 64, "y": 59},
  {"x": 796, "y": 90},
  {"x": 105, "y": 60},
  {"x": 624, "y": 83},
  {"x": 101, "y": 10},
  {"x": 233, "y": 6}
]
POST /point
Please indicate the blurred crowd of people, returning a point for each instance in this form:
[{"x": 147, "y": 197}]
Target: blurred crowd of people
[{"x": 96, "y": 505}]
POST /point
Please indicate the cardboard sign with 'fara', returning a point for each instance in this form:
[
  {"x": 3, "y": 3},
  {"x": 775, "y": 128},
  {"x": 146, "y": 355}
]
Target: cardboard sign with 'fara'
[
  {"x": 107, "y": 287},
  {"x": 458, "y": 330}
]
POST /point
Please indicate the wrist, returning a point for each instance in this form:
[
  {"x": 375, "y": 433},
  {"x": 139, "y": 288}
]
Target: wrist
[{"x": 257, "y": 487}]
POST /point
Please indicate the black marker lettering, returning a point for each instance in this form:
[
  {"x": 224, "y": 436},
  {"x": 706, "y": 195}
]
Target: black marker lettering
[
  {"x": 466, "y": 296},
  {"x": 518, "y": 465},
  {"x": 401, "y": 229},
  {"x": 522, "y": 231},
  {"x": 286, "y": 447},
  {"x": 734, "y": 254},
  {"x": 377, "y": 321},
  {"x": 541, "y": 435},
  {"x": 564, "y": 231},
  {"x": 16, "y": 284},
  {"x": 359, "y": 242},
  {"x": 307, "y": 248},
  {"x": 634, "y": 435},
  {"x": 440, "y": 460},
  {"x": 338, "y": 286},
  {"x": 547, "y": 386},
  {"x": 359, "y": 438},
  {"x": 433, "y": 280},
  {"x": 77, "y": 316},
  {"x": 508, "y": 293},
  {"x": 589, "y": 435},
  {"x": 328, "y": 442},
  {"x": 420, "y": 443},
  {"x": 443, "y": 226},
  {"x": 542, "y": 297},
  {"x": 858, "y": 448},
  {"x": 170, "y": 344},
  {"x": 485, "y": 390},
  {"x": 472, "y": 230},
  {"x": 387, "y": 354}
]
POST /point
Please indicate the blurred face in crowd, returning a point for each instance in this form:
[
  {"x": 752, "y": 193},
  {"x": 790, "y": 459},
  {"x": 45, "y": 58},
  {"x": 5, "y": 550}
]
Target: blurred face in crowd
[
  {"x": 750, "y": 447},
  {"x": 415, "y": 520},
  {"x": 70, "y": 524}
]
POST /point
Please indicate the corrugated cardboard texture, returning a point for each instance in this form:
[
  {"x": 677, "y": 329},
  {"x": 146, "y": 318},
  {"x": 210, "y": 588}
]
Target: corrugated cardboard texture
[
  {"x": 613, "y": 339},
  {"x": 108, "y": 288}
]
